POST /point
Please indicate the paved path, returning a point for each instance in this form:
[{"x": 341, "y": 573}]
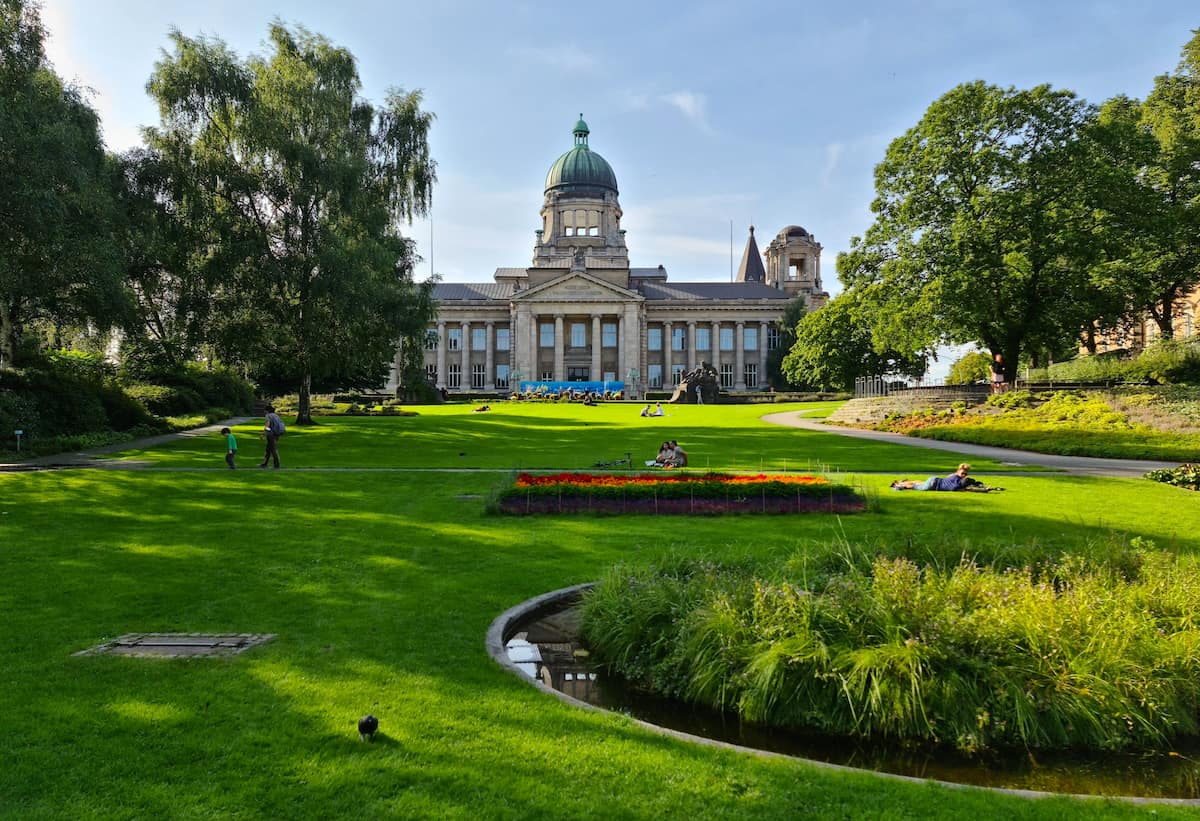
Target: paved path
[
  {"x": 91, "y": 458},
  {"x": 1081, "y": 465}
]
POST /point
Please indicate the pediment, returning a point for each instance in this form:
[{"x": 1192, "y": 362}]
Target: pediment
[{"x": 577, "y": 287}]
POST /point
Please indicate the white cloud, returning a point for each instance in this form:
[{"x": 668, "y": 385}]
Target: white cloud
[
  {"x": 833, "y": 153},
  {"x": 692, "y": 105}
]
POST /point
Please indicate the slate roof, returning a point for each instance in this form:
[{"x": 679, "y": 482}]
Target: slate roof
[
  {"x": 751, "y": 269},
  {"x": 648, "y": 272},
  {"x": 512, "y": 272},
  {"x": 451, "y": 291},
  {"x": 711, "y": 290}
]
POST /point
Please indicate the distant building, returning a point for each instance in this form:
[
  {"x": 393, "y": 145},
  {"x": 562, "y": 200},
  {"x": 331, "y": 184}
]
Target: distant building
[
  {"x": 581, "y": 313},
  {"x": 1142, "y": 330}
]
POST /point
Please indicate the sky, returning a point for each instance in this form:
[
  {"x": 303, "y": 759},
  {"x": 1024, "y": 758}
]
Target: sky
[{"x": 714, "y": 115}]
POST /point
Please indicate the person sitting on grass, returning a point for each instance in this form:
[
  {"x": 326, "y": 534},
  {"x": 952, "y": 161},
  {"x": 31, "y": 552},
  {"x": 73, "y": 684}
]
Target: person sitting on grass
[
  {"x": 955, "y": 481},
  {"x": 646, "y": 411},
  {"x": 679, "y": 457},
  {"x": 665, "y": 454}
]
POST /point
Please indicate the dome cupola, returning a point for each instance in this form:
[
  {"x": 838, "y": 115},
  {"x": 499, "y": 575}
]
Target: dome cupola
[{"x": 581, "y": 171}]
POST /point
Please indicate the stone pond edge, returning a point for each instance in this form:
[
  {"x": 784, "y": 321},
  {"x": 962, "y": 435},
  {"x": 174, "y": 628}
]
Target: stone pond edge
[{"x": 502, "y": 627}]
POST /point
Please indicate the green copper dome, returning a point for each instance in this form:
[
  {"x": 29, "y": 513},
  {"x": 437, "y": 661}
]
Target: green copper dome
[{"x": 581, "y": 170}]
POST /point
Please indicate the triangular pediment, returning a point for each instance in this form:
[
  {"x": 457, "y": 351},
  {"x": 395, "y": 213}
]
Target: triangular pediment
[{"x": 577, "y": 287}]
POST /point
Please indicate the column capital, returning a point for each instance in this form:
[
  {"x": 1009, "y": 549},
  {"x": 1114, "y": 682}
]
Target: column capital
[{"x": 691, "y": 323}]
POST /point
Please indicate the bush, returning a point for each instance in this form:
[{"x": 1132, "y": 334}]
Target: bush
[
  {"x": 1165, "y": 362},
  {"x": 1073, "y": 652},
  {"x": 1185, "y": 476},
  {"x": 167, "y": 400}
]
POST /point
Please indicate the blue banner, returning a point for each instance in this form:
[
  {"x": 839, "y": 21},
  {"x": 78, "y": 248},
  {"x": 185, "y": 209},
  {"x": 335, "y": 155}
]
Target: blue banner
[{"x": 554, "y": 388}]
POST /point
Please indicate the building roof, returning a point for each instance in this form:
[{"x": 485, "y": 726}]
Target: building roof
[
  {"x": 795, "y": 231},
  {"x": 751, "y": 269},
  {"x": 451, "y": 291},
  {"x": 711, "y": 290},
  {"x": 512, "y": 272},
  {"x": 656, "y": 273},
  {"x": 581, "y": 170}
]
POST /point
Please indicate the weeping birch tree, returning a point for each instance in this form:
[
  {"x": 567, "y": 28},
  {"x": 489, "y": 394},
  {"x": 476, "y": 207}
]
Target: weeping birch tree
[{"x": 294, "y": 190}]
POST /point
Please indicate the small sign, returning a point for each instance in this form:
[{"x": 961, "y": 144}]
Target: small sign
[{"x": 19, "y": 432}]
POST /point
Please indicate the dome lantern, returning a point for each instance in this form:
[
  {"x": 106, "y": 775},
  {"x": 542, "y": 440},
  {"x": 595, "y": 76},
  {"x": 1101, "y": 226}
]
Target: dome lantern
[{"x": 581, "y": 171}]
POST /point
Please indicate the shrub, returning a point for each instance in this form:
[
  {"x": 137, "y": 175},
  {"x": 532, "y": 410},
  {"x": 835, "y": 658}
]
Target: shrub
[
  {"x": 1073, "y": 652},
  {"x": 1185, "y": 476},
  {"x": 167, "y": 400}
]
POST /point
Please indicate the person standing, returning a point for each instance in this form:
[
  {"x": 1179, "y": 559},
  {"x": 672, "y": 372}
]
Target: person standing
[
  {"x": 999, "y": 384},
  {"x": 230, "y": 447},
  {"x": 273, "y": 429}
]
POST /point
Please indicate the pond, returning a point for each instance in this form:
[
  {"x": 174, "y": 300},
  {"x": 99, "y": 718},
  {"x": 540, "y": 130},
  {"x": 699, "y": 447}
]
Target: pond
[{"x": 546, "y": 647}]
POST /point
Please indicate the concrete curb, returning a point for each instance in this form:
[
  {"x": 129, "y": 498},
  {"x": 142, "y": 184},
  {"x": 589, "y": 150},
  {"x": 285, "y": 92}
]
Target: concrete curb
[{"x": 502, "y": 628}]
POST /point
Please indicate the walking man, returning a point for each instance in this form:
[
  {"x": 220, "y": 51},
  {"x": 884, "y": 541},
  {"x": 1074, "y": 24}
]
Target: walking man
[{"x": 273, "y": 429}]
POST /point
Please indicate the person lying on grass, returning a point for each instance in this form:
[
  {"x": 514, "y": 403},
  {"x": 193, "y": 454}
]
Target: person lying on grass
[{"x": 958, "y": 480}]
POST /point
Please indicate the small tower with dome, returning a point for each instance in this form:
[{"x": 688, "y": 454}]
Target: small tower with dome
[{"x": 794, "y": 265}]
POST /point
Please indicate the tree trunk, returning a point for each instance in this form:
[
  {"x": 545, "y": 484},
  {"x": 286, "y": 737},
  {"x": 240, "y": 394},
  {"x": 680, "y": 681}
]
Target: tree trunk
[
  {"x": 304, "y": 413},
  {"x": 1089, "y": 340},
  {"x": 1166, "y": 319},
  {"x": 10, "y": 335}
]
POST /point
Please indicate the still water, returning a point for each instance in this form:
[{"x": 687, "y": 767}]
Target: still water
[{"x": 547, "y": 647}]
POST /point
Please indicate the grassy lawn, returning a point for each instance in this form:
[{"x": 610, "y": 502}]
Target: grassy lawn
[{"x": 381, "y": 585}]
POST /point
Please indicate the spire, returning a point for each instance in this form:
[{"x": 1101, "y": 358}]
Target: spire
[
  {"x": 581, "y": 132},
  {"x": 751, "y": 269}
]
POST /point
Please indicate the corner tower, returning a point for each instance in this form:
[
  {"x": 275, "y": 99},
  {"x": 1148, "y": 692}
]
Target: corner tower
[
  {"x": 794, "y": 265},
  {"x": 581, "y": 215}
]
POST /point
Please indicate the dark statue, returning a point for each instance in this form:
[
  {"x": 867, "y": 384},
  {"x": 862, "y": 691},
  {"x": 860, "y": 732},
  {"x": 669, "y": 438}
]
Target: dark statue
[{"x": 698, "y": 387}]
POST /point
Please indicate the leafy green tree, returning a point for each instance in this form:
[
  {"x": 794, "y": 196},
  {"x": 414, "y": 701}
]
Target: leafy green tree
[
  {"x": 982, "y": 233},
  {"x": 792, "y": 314},
  {"x": 834, "y": 346},
  {"x": 293, "y": 189},
  {"x": 1152, "y": 211},
  {"x": 970, "y": 368},
  {"x": 59, "y": 261}
]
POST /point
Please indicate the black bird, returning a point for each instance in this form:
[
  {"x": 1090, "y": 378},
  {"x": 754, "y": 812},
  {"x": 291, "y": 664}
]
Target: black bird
[{"x": 367, "y": 725}]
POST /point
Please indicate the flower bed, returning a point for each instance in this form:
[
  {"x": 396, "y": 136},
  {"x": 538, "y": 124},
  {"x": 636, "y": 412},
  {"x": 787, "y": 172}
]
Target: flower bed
[{"x": 676, "y": 493}]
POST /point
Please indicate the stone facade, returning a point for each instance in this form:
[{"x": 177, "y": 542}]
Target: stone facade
[{"x": 581, "y": 313}]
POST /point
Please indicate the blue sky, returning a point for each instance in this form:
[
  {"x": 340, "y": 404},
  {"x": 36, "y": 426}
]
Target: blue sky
[{"x": 771, "y": 113}]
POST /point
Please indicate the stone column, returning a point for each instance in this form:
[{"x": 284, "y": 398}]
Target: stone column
[
  {"x": 464, "y": 382},
  {"x": 739, "y": 376},
  {"x": 535, "y": 359},
  {"x": 596, "y": 340},
  {"x": 762, "y": 354},
  {"x": 489, "y": 346},
  {"x": 667, "y": 355},
  {"x": 559, "y": 374},
  {"x": 621, "y": 369},
  {"x": 631, "y": 343},
  {"x": 691, "y": 343},
  {"x": 441, "y": 354},
  {"x": 714, "y": 347}
]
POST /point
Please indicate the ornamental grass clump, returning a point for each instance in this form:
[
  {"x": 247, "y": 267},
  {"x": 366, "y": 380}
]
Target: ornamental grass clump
[{"x": 1072, "y": 653}]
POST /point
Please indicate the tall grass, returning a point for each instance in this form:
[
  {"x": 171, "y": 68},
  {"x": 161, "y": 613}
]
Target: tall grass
[{"x": 1074, "y": 652}]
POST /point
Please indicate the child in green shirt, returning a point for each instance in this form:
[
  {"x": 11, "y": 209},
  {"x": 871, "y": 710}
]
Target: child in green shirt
[{"x": 231, "y": 445}]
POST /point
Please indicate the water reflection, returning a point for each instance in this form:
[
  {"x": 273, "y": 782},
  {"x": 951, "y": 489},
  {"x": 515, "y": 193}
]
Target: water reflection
[{"x": 547, "y": 648}]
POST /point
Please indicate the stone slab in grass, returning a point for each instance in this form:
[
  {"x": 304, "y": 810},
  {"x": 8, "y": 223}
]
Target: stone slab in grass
[{"x": 178, "y": 645}]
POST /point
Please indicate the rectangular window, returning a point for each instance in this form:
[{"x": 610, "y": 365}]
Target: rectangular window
[
  {"x": 676, "y": 374},
  {"x": 502, "y": 338},
  {"x": 578, "y": 335},
  {"x": 454, "y": 339},
  {"x": 431, "y": 373},
  {"x": 703, "y": 339},
  {"x": 727, "y": 339},
  {"x": 502, "y": 376},
  {"x": 478, "y": 339},
  {"x": 679, "y": 339},
  {"x": 727, "y": 376},
  {"x": 749, "y": 339},
  {"x": 454, "y": 376},
  {"x": 578, "y": 374},
  {"x": 655, "y": 378},
  {"x": 478, "y": 374},
  {"x": 772, "y": 338},
  {"x": 610, "y": 376},
  {"x": 547, "y": 376},
  {"x": 608, "y": 335},
  {"x": 654, "y": 339},
  {"x": 431, "y": 339},
  {"x": 751, "y": 374},
  {"x": 547, "y": 334}
]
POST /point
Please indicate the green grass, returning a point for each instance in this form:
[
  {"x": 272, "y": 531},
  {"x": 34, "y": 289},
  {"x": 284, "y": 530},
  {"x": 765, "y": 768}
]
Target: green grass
[{"x": 381, "y": 585}]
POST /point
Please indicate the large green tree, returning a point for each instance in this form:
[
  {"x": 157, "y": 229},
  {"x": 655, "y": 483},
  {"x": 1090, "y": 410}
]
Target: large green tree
[
  {"x": 293, "y": 189},
  {"x": 1151, "y": 196},
  {"x": 981, "y": 233},
  {"x": 59, "y": 260},
  {"x": 834, "y": 346}
]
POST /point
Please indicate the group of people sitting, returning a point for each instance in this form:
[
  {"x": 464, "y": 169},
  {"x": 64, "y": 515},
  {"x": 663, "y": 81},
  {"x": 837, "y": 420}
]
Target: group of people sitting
[
  {"x": 658, "y": 411},
  {"x": 958, "y": 480},
  {"x": 670, "y": 455}
]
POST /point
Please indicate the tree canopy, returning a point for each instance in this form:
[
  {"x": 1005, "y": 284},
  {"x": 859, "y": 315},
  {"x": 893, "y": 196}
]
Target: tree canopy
[
  {"x": 59, "y": 260},
  {"x": 293, "y": 190}
]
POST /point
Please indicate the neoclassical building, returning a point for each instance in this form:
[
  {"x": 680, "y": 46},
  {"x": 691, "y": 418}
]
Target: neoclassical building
[{"x": 581, "y": 313}]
